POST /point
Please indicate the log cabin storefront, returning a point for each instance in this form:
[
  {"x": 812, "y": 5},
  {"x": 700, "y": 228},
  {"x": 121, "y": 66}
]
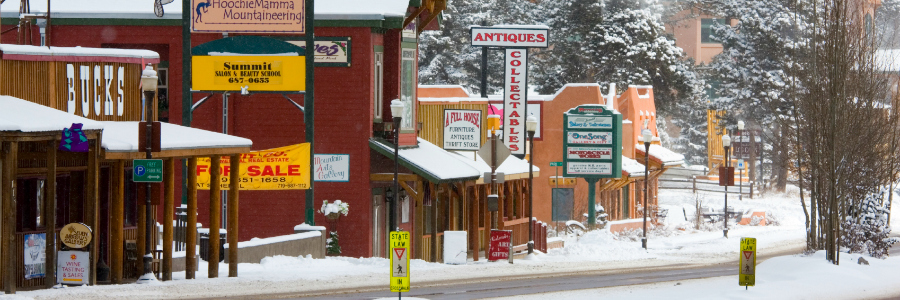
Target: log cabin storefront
[{"x": 45, "y": 97}]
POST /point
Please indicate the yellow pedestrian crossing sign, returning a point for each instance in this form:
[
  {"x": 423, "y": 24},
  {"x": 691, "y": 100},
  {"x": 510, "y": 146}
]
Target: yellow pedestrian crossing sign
[
  {"x": 399, "y": 261},
  {"x": 747, "y": 272}
]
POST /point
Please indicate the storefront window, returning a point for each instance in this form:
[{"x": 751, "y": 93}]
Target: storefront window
[
  {"x": 379, "y": 85},
  {"x": 408, "y": 88},
  {"x": 706, "y": 32}
]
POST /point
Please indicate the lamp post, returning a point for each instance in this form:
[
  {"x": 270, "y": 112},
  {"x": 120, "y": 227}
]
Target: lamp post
[
  {"x": 726, "y": 142},
  {"x": 647, "y": 136},
  {"x": 530, "y": 127},
  {"x": 148, "y": 86},
  {"x": 744, "y": 165},
  {"x": 397, "y": 108}
]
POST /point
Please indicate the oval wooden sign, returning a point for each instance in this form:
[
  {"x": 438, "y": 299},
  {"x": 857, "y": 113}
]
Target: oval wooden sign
[{"x": 75, "y": 235}]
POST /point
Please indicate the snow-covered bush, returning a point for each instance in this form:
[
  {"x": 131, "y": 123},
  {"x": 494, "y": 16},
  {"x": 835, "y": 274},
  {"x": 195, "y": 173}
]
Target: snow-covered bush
[
  {"x": 865, "y": 229},
  {"x": 337, "y": 207},
  {"x": 331, "y": 244}
]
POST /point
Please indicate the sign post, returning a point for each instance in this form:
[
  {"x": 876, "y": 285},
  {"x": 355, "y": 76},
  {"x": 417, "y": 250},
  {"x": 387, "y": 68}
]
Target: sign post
[
  {"x": 399, "y": 261},
  {"x": 592, "y": 147},
  {"x": 148, "y": 170},
  {"x": 501, "y": 241},
  {"x": 747, "y": 271}
]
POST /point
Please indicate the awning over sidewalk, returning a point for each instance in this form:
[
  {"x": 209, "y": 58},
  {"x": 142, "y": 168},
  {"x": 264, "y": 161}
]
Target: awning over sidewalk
[
  {"x": 633, "y": 168},
  {"x": 660, "y": 155},
  {"x": 17, "y": 115},
  {"x": 512, "y": 168},
  {"x": 429, "y": 161},
  {"x": 120, "y": 140}
]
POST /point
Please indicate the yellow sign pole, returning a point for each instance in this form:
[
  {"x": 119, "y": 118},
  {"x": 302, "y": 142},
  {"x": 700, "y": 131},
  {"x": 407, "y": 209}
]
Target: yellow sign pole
[
  {"x": 747, "y": 271},
  {"x": 399, "y": 261}
]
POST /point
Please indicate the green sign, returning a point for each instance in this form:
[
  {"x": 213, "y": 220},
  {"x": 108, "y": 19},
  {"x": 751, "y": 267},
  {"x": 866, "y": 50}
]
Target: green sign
[
  {"x": 148, "y": 170},
  {"x": 592, "y": 145},
  {"x": 556, "y": 164}
]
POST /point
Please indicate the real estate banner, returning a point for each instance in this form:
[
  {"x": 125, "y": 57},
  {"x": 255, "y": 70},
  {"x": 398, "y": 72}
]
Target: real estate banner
[{"x": 285, "y": 168}]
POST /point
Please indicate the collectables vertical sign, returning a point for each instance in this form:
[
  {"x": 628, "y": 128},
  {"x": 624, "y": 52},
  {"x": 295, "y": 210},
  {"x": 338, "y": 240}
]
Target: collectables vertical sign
[
  {"x": 515, "y": 83},
  {"x": 462, "y": 129}
]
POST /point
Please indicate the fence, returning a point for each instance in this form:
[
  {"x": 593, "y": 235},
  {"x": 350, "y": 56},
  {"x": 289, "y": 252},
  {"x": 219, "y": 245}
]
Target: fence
[{"x": 705, "y": 185}]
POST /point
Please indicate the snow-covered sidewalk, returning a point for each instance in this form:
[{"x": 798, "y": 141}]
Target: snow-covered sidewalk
[{"x": 676, "y": 243}]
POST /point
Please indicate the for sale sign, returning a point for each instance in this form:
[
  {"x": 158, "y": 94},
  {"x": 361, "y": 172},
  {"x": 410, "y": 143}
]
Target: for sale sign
[{"x": 501, "y": 241}]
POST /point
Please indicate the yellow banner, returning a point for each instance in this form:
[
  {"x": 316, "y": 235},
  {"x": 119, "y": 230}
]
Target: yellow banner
[
  {"x": 257, "y": 73},
  {"x": 285, "y": 168}
]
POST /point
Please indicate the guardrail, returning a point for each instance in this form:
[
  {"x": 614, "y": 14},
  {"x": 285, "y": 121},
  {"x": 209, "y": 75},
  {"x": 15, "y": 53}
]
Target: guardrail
[{"x": 695, "y": 185}]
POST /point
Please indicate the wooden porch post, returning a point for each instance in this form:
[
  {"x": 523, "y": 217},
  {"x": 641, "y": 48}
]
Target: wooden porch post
[
  {"x": 10, "y": 149},
  {"x": 434, "y": 222},
  {"x": 215, "y": 205},
  {"x": 116, "y": 223},
  {"x": 234, "y": 186},
  {"x": 190, "y": 260},
  {"x": 419, "y": 227},
  {"x": 93, "y": 203},
  {"x": 473, "y": 222},
  {"x": 50, "y": 214},
  {"x": 168, "y": 216}
]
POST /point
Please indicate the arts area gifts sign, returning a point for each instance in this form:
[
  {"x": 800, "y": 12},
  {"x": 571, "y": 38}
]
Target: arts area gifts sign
[
  {"x": 516, "y": 40},
  {"x": 257, "y": 16},
  {"x": 285, "y": 168}
]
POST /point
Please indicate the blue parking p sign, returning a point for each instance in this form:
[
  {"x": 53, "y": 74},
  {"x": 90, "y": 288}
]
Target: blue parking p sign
[{"x": 148, "y": 170}]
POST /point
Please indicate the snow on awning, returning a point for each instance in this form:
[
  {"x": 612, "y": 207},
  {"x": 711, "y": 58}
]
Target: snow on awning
[
  {"x": 123, "y": 137},
  {"x": 512, "y": 167},
  {"x": 662, "y": 155},
  {"x": 429, "y": 161},
  {"x": 24, "y": 116},
  {"x": 77, "y": 54},
  {"x": 633, "y": 168}
]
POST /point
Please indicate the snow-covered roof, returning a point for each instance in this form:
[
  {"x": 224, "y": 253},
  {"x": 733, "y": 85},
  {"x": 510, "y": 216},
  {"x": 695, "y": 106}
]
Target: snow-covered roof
[
  {"x": 452, "y": 99},
  {"x": 633, "y": 167},
  {"x": 429, "y": 161},
  {"x": 512, "y": 167},
  {"x": 24, "y": 116},
  {"x": 143, "y": 9},
  {"x": 663, "y": 155},
  {"x": 82, "y": 54},
  {"x": 123, "y": 137}
]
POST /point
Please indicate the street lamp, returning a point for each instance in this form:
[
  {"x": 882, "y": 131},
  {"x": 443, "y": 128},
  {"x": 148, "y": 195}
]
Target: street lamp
[
  {"x": 530, "y": 127},
  {"x": 397, "y": 108},
  {"x": 647, "y": 137},
  {"x": 726, "y": 142},
  {"x": 148, "y": 86},
  {"x": 744, "y": 165}
]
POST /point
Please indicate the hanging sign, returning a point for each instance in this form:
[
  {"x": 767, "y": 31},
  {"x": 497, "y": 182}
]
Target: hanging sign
[
  {"x": 332, "y": 167},
  {"x": 34, "y": 256},
  {"x": 247, "y": 16},
  {"x": 75, "y": 235},
  {"x": 515, "y": 84},
  {"x": 73, "y": 139},
  {"x": 285, "y": 168},
  {"x": 747, "y": 273},
  {"x": 462, "y": 129},
  {"x": 333, "y": 52},
  {"x": 593, "y": 142},
  {"x": 399, "y": 261},
  {"x": 255, "y": 73},
  {"x": 537, "y": 36},
  {"x": 73, "y": 267}
]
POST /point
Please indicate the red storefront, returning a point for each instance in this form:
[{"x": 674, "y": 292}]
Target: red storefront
[{"x": 351, "y": 100}]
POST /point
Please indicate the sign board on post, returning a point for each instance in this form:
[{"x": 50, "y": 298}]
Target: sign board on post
[
  {"x": 399, "y": 261},
  {"x": 563, "y": 204},
  {"x": 593, "y": 142},
  {"x": 747, "y": 275},
  {"x": 147, "y": 170},
  {"x": 556, "y": 164},
  {"x": 248, "y": 16},
  {"x": 284, "y": 168},
  {"x": 462, "y": 129},
  {"x": 518, "y": 37},
  {"x": 726, "y": 176},
  {"x": 332, "y": 167},
  {"x": 256, "y": 73},
  {"x": 501, "y": 241},
  {"x": 73, "y": 267},
  {"x": 75, "y": 235}
]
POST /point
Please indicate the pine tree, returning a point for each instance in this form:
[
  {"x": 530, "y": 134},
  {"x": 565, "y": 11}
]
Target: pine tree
[{"x": 332, "y": 246}]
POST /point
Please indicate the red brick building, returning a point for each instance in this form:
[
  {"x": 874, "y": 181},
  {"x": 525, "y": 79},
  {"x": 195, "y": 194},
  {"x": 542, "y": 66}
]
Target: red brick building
[{"x": 351, "y": 101}]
